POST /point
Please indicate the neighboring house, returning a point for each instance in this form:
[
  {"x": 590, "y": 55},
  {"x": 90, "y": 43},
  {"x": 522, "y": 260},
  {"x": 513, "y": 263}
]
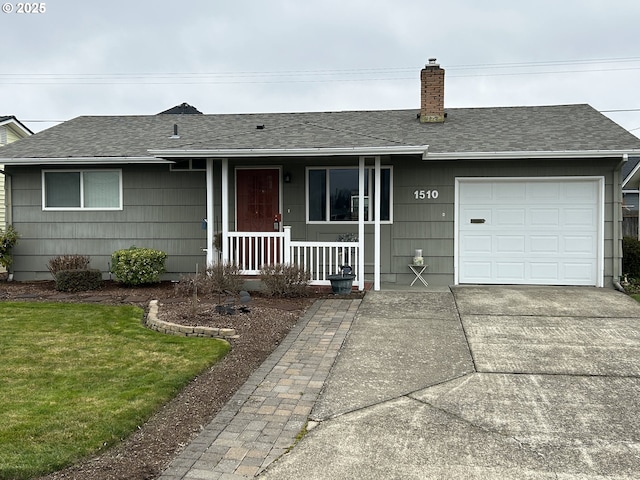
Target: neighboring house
[
  {"x": 515, "y": 195},
  {"x": 10, "y": 131},
  {"x": 183, "y": 108},
  {"x": 630, "y": 198}
]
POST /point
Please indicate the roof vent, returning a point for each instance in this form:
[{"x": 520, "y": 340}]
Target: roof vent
[
  {"x": 175, "y": 131},
  {"x": 260, "y": 127}
]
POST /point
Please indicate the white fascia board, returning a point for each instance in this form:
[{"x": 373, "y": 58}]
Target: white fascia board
[
  {"x": 83, "y": 161},
  {"x": 567, "y": 154},
  {"x": 633, "y": 178},
  {"x": 291, "y": 152},
  {"x": 17, "y": 127}
]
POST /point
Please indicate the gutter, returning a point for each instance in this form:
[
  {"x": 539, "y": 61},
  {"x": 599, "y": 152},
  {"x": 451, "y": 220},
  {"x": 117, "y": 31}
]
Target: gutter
[
  {"x": 291, "y": 152},
  {"x": 527, "y": 154},
  {"x": 82, "y": 161},
  {"x": 422, "y": 150}
]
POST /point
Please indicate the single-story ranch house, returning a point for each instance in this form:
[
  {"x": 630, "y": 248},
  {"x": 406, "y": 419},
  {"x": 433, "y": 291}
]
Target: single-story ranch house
[{"x": 514, "y": 195}]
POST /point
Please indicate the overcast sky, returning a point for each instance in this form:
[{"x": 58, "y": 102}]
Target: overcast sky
[{"x": 235, "y": 56}]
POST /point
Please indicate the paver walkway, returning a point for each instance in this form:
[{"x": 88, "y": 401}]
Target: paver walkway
[{"x": 266, "y": 414}]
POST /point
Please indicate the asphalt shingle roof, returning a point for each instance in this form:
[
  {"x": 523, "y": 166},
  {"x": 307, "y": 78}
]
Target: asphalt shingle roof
[{"x": 500, "y": 129}]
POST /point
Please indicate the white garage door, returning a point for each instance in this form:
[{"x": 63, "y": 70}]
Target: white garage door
[{"x": 529, "y": 231}]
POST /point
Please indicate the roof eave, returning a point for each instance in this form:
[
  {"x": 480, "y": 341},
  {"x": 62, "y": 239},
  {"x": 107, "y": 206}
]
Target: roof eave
[
  {"x": 82, "y": 160},
  {"x": 291, "y": 152},
  {"x": 514, "y": 155}
]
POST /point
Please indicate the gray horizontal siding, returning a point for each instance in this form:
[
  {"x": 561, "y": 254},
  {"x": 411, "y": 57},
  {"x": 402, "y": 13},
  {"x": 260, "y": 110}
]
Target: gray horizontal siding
[
  {"x": 161, "y": 210},
  {"x": 164, "y": 210},
  {"x": 429, "y": 224}
]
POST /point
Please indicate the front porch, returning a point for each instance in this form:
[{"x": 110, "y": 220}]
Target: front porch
[
  {"x": 251, "y": 250},
  {"x": 246, "y": 240}
]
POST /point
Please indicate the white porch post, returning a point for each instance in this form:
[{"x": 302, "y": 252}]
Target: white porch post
[
  {"x": 361, "y": 224},
  {"x": 210, "y": 214},
  {"x": 376, "y": 234},
  {"x": 286, "y": 244},
  {"x": 226, "y": 255}
]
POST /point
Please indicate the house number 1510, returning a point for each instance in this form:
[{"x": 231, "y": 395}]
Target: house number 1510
[{"x": 426, "y": 194}]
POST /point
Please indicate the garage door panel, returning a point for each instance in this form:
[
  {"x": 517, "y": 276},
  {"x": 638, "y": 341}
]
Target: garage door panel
[
  {"x": 470, "y": 213},
  {"x": 544, "y": 272},
  {"x": 582, "y": 192},
  {"x": 510, "y": 269},
  {"x": 542, "y": 192},
  {"x": 509, "y": 217},
  {"x": 529, "y": 231},
  {"x": 544, "y": 217},
  {"x": 477, "y": 272},
  {"x": 580, "y": 217},
  {"x": 548, "y": 244},
  {"x": 475, "y": 193},
  {"x": 478, "y": 244},
  {"x": 507, "y": 244},
  {"x": 508, "y": 192},
  {"x": 579, "y": 244},
  {"x": 577, "y": 272}
]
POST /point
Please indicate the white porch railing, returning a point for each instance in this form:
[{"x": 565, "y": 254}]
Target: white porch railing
[
  {"x": 251, "y": 250},
  {"x": 321, "y": 259}
]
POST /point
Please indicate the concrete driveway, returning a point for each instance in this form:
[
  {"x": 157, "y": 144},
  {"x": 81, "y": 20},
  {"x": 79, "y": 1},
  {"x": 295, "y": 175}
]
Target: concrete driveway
[{"x": 480, "y": 383}]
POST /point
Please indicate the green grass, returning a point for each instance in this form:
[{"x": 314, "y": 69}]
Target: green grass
[
  {"x": 75, "y": 379},
  {"x": 636, "y": 297}
]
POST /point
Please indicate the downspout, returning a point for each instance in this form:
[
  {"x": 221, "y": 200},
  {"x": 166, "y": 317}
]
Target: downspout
[{"x": 617, "y": 222}]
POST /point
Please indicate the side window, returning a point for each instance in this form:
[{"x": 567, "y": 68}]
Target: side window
[{"x": 82, "y": 189}]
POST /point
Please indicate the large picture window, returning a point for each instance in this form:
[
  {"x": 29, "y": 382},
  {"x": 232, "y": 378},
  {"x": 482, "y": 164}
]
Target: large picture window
[
  {"x": 82, "y": 189},
  {"x": 333, "y": 194}
]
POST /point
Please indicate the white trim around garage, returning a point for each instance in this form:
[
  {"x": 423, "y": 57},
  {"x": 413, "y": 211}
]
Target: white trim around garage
[{"x": 597, "y": 278}]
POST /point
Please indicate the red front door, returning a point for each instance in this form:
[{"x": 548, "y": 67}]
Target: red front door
[{"x": 258, "y": 199}]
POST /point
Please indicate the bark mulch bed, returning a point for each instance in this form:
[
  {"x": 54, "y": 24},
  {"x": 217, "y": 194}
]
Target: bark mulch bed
[{"x": 149, "y": 450}]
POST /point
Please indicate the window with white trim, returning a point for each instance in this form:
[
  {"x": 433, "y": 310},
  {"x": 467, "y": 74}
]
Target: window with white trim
[
  {"x": 82, "y": 189},
  {"x": 333, "y": 194}
]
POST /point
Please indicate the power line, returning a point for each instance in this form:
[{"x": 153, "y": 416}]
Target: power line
[{"x": 305, "y": 76}]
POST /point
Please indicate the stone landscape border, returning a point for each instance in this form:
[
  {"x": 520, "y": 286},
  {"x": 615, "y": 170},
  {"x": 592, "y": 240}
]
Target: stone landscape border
[{"x": 154, "y": 323}]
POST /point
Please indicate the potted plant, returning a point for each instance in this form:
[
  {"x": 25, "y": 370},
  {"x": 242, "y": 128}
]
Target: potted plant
[{"x": 342, "y": 283}]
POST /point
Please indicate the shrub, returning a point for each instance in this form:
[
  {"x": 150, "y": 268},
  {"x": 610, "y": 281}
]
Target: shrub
[
  {"x": 283, "y": 280},
  {"x": 68, "y": 262},
  {"x": 138, "y": 266},
  {"x": 8, "y": 240},
  {"x": 78, "y": 280},
  {"x": 223, "y": 277},
  {"x": 218, "y": 278},
  {"x": 631, "y": 257}
]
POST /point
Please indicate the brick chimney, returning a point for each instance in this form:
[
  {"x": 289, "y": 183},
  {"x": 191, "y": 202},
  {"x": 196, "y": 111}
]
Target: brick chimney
[{"x": 432, "y": 93}]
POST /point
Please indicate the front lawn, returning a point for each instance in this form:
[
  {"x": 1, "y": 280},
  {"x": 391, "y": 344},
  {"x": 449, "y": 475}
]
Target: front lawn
[{"x": 75, "y": 379}]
